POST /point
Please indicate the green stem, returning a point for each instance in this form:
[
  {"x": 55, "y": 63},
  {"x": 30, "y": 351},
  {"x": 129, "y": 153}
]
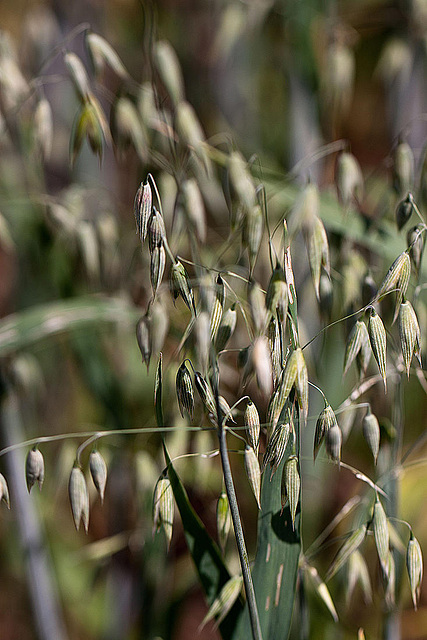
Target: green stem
[{"x": 240, "y": 540}]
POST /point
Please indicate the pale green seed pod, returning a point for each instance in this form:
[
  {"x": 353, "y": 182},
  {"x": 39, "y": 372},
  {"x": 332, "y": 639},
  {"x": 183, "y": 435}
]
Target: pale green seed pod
[
  {"x": 404, "y": 211},
  {"x": 205, "y": 393},
  {"x": 325, "y": 421},
  {"x": 224, "y": 602},
  {"x": 223, "y": 519},
  {"x": 195, "y": 208},
  {"x": 257, "y": 306},
  {"x": 274, "y": 341},
  {"x": 381, "y": 534},
  {"x": 180, "y": 285},
  {"x": 305, "y": 208},
  {"x": 409, "y": 332},
  {"x": 102, "y": 53},
  {"x": 87, "y": 124},
  {"x": 276, "y": 299},
  {"x": 226, "y": 328},
  {"x": 389, "y": 579},
  {"x": 358, "y": 337},
  {"x": 156, "y": 229},
  {"x": 79, "y": 497},
  {"x": 414, "y": 565},
  {"x": 218, "y": 307},
  {"x": 163, "y": 508},
  {"x": 143, "y": 337},
  {"x": 78, "y": 75},
  {"x": 98, "y": 471},
  {"x": 321, "y": 589},
  {"x": 4, "y": 491},
  {"x": 184, "y": 391},
  {"x": 169, "y": 70},
  {"x": 252, "y": 425},
  {"x": 253, "y": 227},
  {"x": 415, "y": 240},
  {"x": 191, "y": 133},
  {"x": 277, "y": 445},
  {"x": 301, "y": 384},
  {"x": 128, "y": 128},
  {"x": 290, "y": 486},
  {"x": 357, "y": 573},
  {"x": 403, "y": 168},
  {"x": 333, "y": 443},
  {"x": 142, "y": 207},
  {"x": 377, "y": 337},
  {"x": 253, "y": 472},
  {"x": 225, "y": 411},
  {"x": 285, "y": 384},
  {"x": 348, "y": 548},
  {"x": 43, "y": 129},
  {"x": 261, "y": 364},
  {"x": 349, "y": 179},
  {"x": 157, "y": 266},
  {"x": 371, "y": 433},
  {"x": 317, "y": 245},
  {"x": 34, "y": 468},
  {"x": 241, "y": 181},
  {"x": 397, "y": 277}
]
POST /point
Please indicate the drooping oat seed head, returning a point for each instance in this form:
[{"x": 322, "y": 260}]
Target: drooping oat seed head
[
  {"x": 404, "y": 211},
  {"x": 274, "y": 340},
  {"x": 4, "y": 491},
  {"x": 43, "y": 129},
  {"x": 253, "y": 472},
  {"x": 180, "y": 285},
  {"x": 205, "y": 393},
  {"x": 163, "y": 508},
  {"x": 143, "y": 337},
  {"x": 224, "y": 602},
  {"x": 403, "y": 168},
  {"x": 184, "y": 391},
  {"x": 358, "y": 573},
  {"x": 195, "y": 208},
  {"x": 142, "y": 207},
  {"x": 252, "y": 425},
  {"x": 409, "y": 331},
  {"x": 352, "y": 543},
  {"x": 226, "y": 328},
  {"x": 381, "y": 535},
  {"x": 79, "y": 497},
  {"x": 325, "y": 421},
  {"x": 371, "y": 432},
  {"x": 333, "y": 442},
  {"x": 349, "y": 179},
  {"x": 156, "y": 229},
  {"x": 157, "y": 266},
  {"x": 218, "y": 307},
  {"x": 277, "y": 444},
  {"x": 290, "y": 486},
  {"x": 241, "y": 181},
  {"x": 414, "y": 565},
  {"x": 358, "y": 337},
  {"x": 102, "y": 53},
  {"x": 223, "y": 520},
  {"x": 253, "y": 227},
  {"x": 34, "y": 468},
  {"x": 317, "y": 245},
  {"x": 397, "y": 278},
  {"x": 377, "y": 337},
  {"x": 415, "y": 240},
  {"x": 276, "y": 299},
  {"x": 98, "y": 471},
  {"x": 78, "y": 75},
  {"x": 257, "y": 306},
  {"x": 169, "y": 69}
]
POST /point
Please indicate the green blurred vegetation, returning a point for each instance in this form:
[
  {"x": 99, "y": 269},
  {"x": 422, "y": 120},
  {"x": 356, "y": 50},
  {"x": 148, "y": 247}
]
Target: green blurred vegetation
[{"x": 291, "y": 85}]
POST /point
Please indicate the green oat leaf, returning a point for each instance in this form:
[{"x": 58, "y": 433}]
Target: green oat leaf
[
  {"x": 275, "y": 569},
  {"x": 212, "y": 572}
]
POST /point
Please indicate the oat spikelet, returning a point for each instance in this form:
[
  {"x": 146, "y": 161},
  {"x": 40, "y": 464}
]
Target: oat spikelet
[
  {"x": 414, "y": 565},
  {"x": 98, "y": 471},
  {"x": 253, "y": 472},
  {"x": 290, "y": 486},
  {"x": 223, "y": 519},
  {"x": 252, "y": 425},
  {"x": 371, "y": 433},
  {"x": 409, "y": 332},
  {"x": 377, "y": 337},
  {"x": 350, "y": 545},
  {"x": 4, "y": 491},
  {"x": 34, "y": 468},
  {"x": 79, "y": 497},
  {"x": 163, "y": 507}
]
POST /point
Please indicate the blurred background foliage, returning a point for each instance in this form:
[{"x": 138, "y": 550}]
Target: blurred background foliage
[{"x": 279, "y": 79}]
